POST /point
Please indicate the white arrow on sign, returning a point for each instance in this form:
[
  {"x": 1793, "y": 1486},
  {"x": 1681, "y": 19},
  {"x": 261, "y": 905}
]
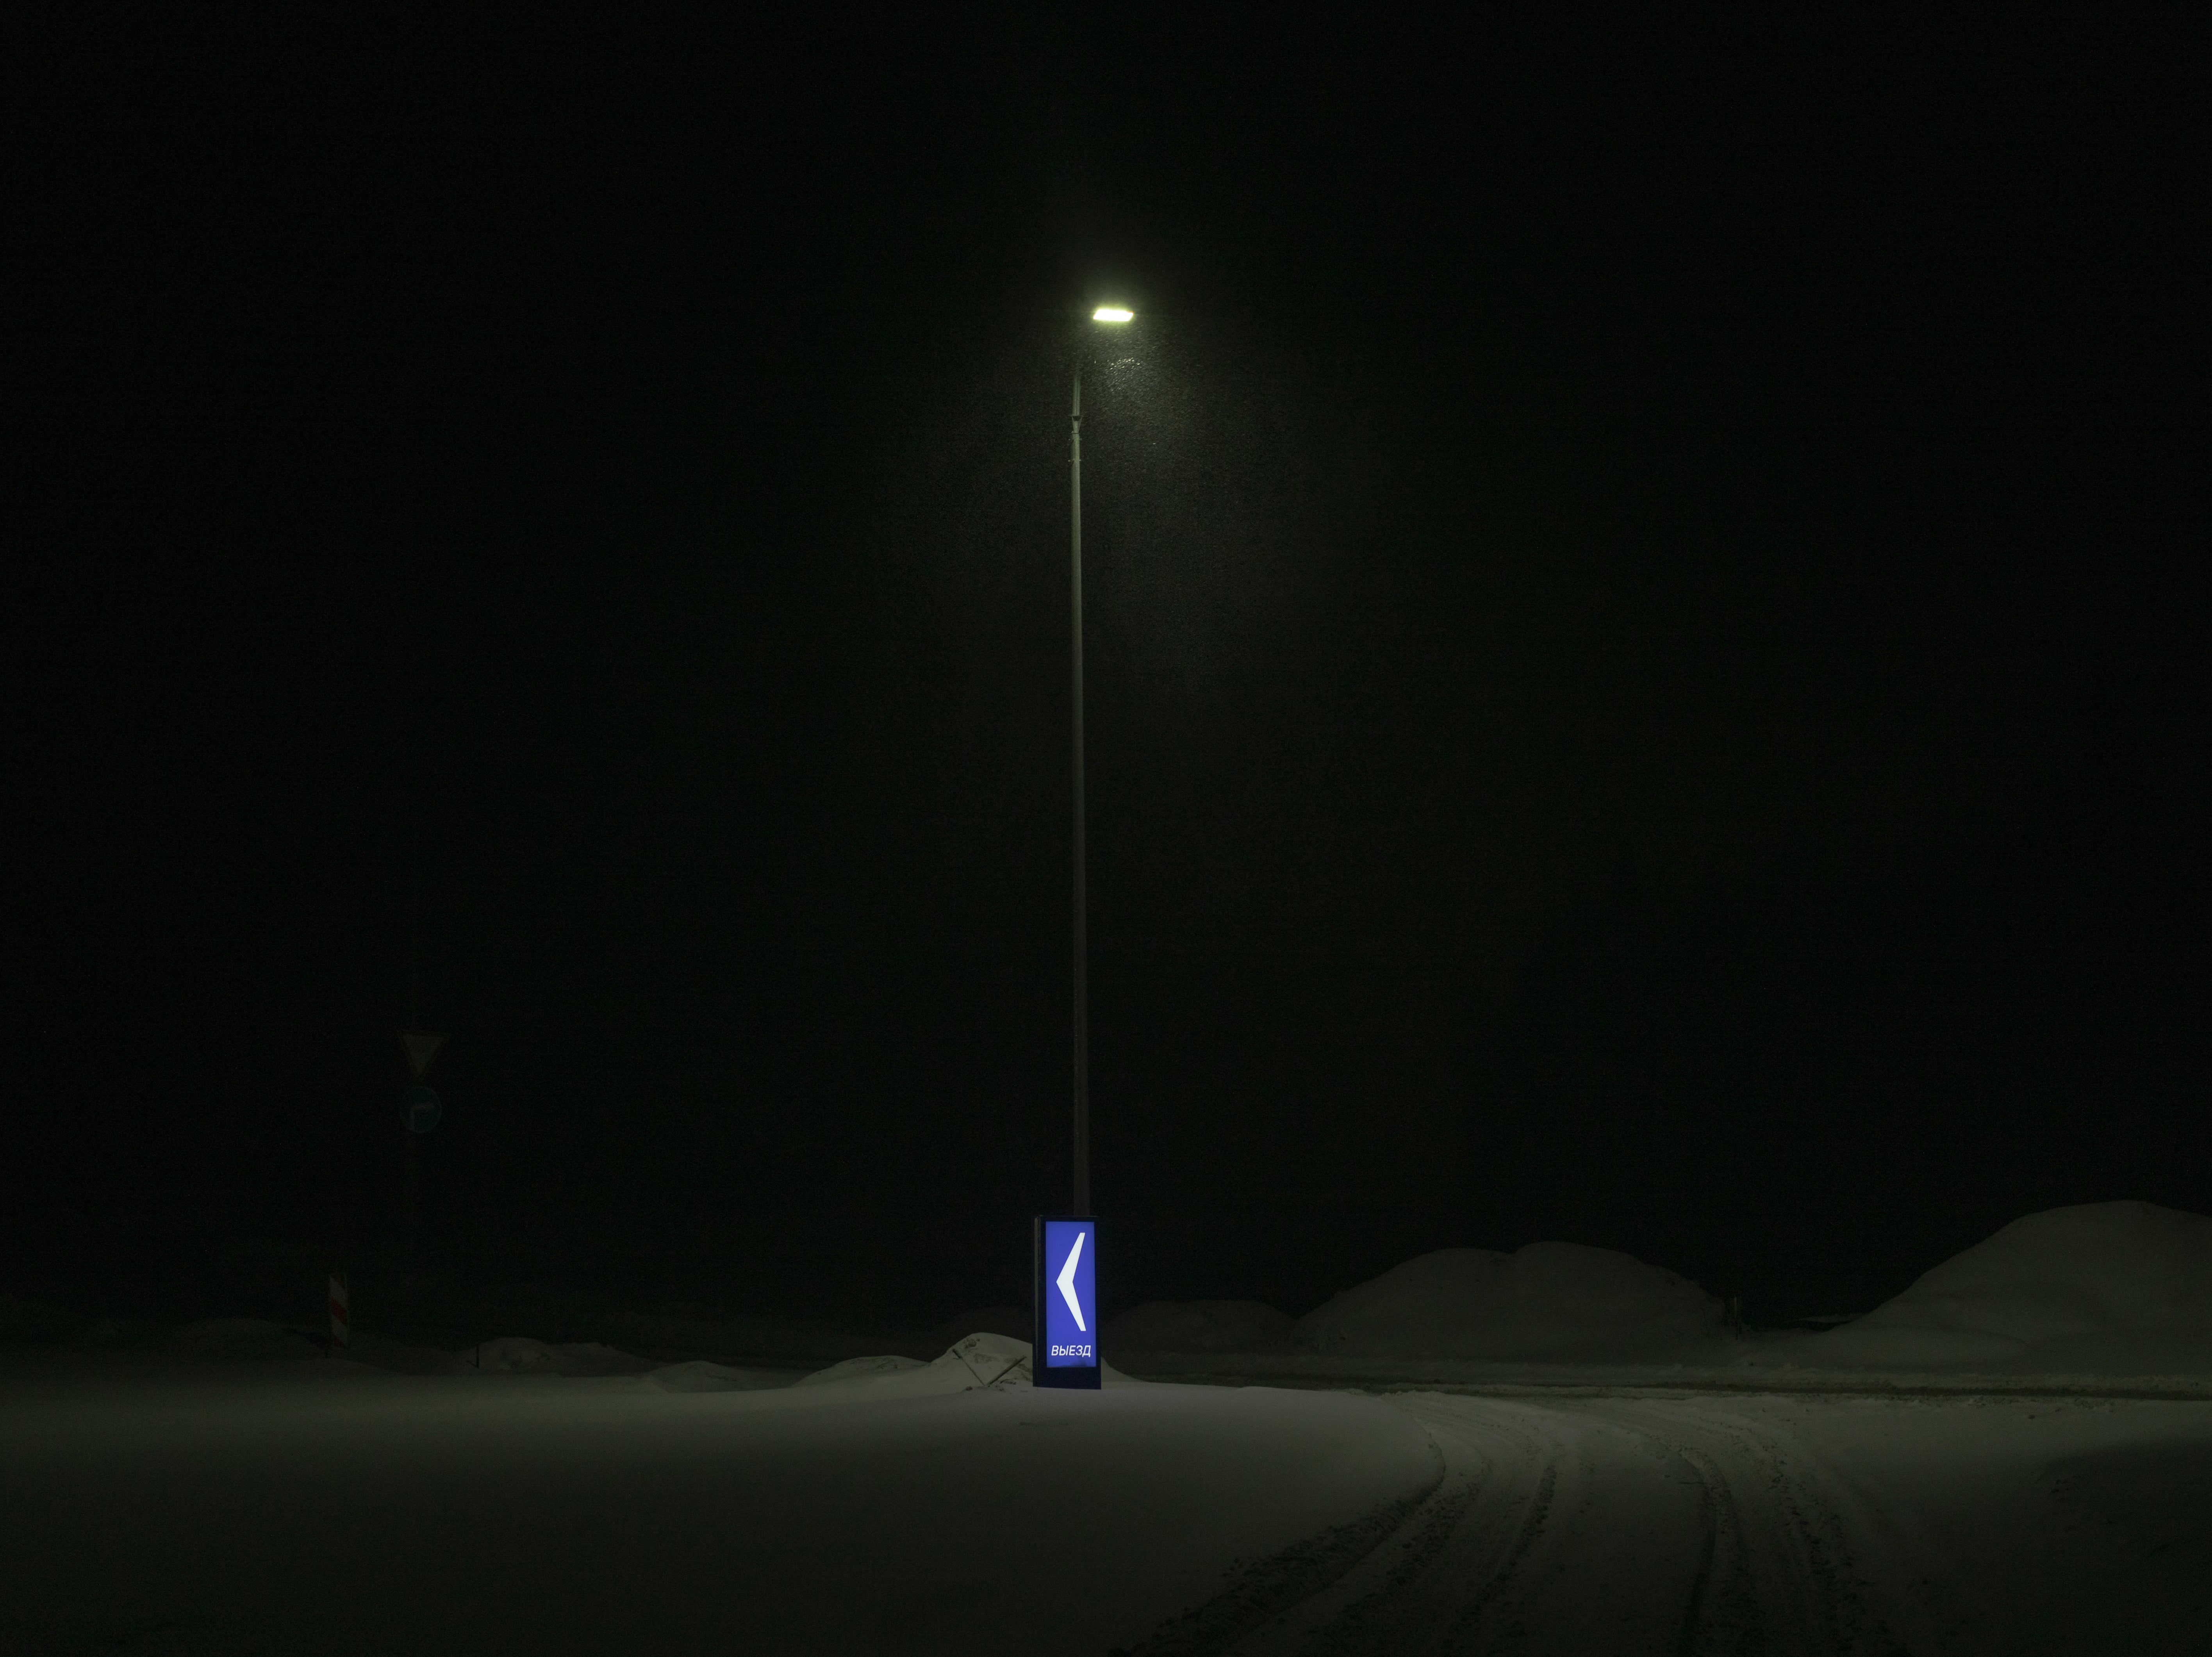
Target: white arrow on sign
[{"x": 1067, "y": 1282}]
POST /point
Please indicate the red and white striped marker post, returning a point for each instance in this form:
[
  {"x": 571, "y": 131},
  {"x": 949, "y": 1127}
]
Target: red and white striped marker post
[{"x": 341, "y": 1315}]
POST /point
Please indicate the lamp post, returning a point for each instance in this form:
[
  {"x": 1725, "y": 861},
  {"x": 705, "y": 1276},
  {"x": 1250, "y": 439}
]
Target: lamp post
[{"x": 1116, "y": 315}]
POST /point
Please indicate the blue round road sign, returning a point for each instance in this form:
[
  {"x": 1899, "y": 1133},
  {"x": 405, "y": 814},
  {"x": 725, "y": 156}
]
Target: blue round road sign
[{"x": 420, "y": 1104}]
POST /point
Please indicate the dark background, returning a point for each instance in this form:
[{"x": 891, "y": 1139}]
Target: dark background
[{"x": 1645, "y": 670}]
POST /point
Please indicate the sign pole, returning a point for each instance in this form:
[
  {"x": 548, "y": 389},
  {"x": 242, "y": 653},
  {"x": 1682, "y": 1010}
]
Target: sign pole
[
  {"x": 1081, "y": 894},
  {"x": 1064, "y": 1247}
]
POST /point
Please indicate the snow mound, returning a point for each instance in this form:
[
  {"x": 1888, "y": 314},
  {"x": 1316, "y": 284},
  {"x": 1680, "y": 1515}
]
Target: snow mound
[
  {"x": 401, "y": 1358},
  {"x": 973, "y": 1364},
  {"x": 1196, "y": 1326},
  {"x": 519, "y": 1355},
  {"x": 2100, "y": 1287},
  {"x": 1549, "y": 1301},
  {"x": 995, "y": 1361},
  {"x": 862, "y": 1370},
  {"x": 701, "y": 1376},
  {"x": 980, "y": 1363},
  {"x": 2070, "y": 1271}
]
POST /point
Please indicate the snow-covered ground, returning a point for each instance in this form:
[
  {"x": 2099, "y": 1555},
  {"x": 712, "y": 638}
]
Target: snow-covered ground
[
  {"x": 186, "y": 1504},
  {"x": 198, "y": 1505},
  {"x": 216, "y": 1490},
  {"x": 1769, "y": 1526}
]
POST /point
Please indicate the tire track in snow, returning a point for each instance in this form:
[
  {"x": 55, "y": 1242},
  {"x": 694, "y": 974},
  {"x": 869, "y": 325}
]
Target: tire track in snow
[
  {"x": 1722, "y": 1599},
  {"x": 1614, "y": 1566},
  {"x": 1258, "y": 1590},
  {"x": 1500, "y": 1481},
  {"x": 1500, "y": 1559},
  {"x": 1784, "y": 1571},
  {"x": 1602, "y": 1527}
]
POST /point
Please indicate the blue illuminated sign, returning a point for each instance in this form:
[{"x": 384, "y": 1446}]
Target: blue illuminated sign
[{"x": 1067, "y": 1302}]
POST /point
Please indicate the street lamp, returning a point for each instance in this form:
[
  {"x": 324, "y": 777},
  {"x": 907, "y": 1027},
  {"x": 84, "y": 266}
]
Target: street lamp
[{"x": 1112, "y": 314}]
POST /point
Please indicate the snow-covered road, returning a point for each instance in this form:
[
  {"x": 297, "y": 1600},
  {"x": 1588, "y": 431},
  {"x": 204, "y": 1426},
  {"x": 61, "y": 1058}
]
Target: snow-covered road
[
  {"x": 1606, "y": 1528},
  {"x": 1748, "y": 1524},
  {"x": 284, "y": 1506}
]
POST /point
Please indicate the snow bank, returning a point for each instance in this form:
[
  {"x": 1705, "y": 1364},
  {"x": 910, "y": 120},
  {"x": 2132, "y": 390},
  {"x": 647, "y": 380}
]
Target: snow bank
[
  {"x": 980, "y": 1362},
  {"x": 994, "y": 1363},
  {"x": 2101, "y": 1288},
  {"x": 1196, "y": 1326},
  {"x": 1550, "y": 1300},
  {"x": 700, "y": 1376},
  {"x": 240, "y": 1509},
  {"x": 519, "y": 1355},
  {"x": 868, "y": 1368},
  {"x": 399, "y": 1357}
]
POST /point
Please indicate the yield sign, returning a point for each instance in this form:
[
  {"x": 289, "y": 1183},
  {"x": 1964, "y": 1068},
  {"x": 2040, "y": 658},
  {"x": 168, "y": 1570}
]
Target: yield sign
[{"x": 422, "y": 1048}]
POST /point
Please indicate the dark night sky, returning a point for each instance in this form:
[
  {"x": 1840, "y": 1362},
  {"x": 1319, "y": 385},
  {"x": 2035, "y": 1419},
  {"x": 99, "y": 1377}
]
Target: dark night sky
[{"x": 1643, "y": 686}]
